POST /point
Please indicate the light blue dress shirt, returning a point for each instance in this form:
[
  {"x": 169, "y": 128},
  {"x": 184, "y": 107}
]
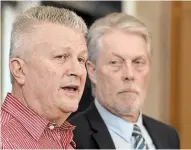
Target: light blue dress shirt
[{"x": 121, "y": 130}]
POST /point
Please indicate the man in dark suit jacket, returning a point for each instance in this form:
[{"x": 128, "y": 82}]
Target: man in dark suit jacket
[
  {"x": 92, "y": 133},
  {"x": 119, "y": 65}
]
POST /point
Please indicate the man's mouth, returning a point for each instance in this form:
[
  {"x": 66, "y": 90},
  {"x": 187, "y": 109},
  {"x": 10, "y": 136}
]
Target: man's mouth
[
  {"x": 71, "y": 88},
  {"x": 128, "y": 91}
]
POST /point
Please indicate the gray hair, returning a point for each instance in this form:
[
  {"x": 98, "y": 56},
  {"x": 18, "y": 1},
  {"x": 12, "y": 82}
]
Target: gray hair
[
  {"x": 118, "y": 21},
  {"x": 23, "y": 26},
  {"x": 114, "y": 21}
]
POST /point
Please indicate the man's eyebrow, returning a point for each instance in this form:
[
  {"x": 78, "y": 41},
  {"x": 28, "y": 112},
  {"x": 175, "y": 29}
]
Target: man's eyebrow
[
  {"x": 117, "y": 55},
  {"x": 84, "y": 52},
  {"x": 140, "y": 56},
  {"x": 66, "y": 47}
]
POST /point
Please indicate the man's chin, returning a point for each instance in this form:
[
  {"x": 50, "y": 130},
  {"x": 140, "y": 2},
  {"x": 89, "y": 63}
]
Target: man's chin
[
  {"x": 128, "y": 110},
  {"x": 70, "y": 109}
]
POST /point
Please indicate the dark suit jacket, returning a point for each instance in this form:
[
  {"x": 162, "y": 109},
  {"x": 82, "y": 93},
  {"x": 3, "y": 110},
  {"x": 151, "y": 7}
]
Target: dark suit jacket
[{"x": 92, "y": 133}]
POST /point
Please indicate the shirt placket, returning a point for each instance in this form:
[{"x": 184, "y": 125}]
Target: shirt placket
[
  {"x": 57, "y": 137},
  {"x": 66, "y": 136}
]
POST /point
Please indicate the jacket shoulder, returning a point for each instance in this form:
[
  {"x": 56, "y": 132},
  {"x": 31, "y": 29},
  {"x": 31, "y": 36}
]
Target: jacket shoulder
[
  {"x": 158, "y": 124},
  {"x": 81, "y": 122},
  {"x": 83, "y": 132},
  {"x": 166, "y": 133}
]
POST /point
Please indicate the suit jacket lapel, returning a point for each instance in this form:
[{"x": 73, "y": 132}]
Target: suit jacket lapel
[
  {"x": 100, "y": 131},
  {"x": 154, "y": 133}
]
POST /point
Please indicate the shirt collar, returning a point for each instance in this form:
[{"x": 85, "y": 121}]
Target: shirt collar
[
  {"x": 30, "y": 120},
  {"x": 67, "y": 126},
  {"x": 140, "y": 120},
  {"x": 118, "y": 125}
]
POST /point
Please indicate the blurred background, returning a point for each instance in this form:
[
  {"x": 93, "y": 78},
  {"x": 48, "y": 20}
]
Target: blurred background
[{"x": 169, "y": 94}]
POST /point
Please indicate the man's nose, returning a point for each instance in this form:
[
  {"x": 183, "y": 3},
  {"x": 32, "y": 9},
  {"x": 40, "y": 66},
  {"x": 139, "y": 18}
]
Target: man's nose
[
  {"x": 75, "y": 68},
  {"x": 128, "y": 72}
]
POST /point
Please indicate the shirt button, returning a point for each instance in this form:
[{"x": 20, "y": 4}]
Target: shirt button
[{"x": 51, "y": 127}]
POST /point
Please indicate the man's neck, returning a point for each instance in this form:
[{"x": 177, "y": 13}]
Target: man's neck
[{"x": 17, "y": 93}]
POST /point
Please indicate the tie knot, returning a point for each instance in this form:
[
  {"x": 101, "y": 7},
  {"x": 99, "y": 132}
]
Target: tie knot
[{"x": 136, "y": 131}]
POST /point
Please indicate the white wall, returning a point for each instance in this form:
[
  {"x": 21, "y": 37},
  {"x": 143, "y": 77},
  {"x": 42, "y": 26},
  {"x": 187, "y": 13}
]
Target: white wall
[
  {"x": 7, "y": 19},
  {"x": 0, "y": 64},
  {"x": 8, "y": 16}
]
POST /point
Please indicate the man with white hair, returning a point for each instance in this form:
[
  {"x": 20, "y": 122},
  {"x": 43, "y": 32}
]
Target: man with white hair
[
  {"x": 47, "y": 64},
  {"x": 119, "y": 63}
]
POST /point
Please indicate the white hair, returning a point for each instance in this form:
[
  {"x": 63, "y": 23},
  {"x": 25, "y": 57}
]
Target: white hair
[
  {"x": 103, "y": 25},
  {"x": 118, "y": 21},
  {"x": 23, "y": 27}
]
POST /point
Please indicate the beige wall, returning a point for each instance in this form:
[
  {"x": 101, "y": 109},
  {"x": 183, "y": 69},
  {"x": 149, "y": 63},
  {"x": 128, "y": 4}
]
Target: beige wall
[{"x": 156, "y": 15}]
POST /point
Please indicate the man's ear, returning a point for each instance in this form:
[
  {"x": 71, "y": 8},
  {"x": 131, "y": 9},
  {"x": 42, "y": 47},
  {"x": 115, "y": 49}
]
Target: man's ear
[
  {"x": 91, "y": 69},
  {"x": 18, "y": 71}
]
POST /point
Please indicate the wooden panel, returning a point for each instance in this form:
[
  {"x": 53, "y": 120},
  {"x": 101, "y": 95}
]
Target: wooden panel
[
  {"x": 175, "y": 46},
  {"x": 181, "y": 70},
  {"x": 185, "y": 75}
]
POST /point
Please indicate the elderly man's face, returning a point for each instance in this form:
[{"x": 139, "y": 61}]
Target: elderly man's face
[
  {"x": 122, "y": 72},
  {"x": 56, "y": 72}
]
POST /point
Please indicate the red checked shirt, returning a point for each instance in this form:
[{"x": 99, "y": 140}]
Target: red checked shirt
[{"x": 22, "y": 128}]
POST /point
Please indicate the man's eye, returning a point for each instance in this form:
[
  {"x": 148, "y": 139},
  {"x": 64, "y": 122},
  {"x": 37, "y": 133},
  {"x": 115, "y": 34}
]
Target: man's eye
[
  {"x": 82, "y": 60},
  {"x": 61, "y": 57},
  {"x": 115, "y": 63},
  {"x": 139, "y": 62}
]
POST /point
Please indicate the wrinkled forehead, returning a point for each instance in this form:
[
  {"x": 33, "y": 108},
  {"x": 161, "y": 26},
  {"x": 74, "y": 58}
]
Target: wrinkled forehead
[
  {"x": 55, "y": 37},
  {"x": 51, "y": 49},
  {"x": 123, "y": 43},
  {"x": 57, "y": 32}
]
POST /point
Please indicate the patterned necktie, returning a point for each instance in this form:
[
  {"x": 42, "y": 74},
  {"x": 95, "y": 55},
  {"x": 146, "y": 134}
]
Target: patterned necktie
[{"x": 140, "y": 142}]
